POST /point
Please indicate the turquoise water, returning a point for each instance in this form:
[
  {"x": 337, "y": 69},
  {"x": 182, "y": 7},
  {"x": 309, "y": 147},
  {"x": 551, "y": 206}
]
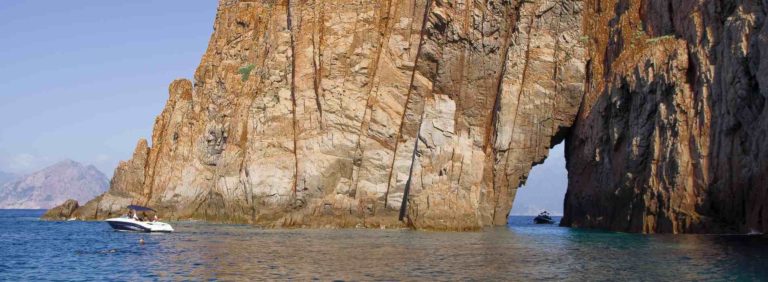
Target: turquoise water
[{"x": 37, "y": 250}]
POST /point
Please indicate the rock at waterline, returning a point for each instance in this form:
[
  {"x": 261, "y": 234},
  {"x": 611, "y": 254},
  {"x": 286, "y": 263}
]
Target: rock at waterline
[{"x": 63, "y": 211}]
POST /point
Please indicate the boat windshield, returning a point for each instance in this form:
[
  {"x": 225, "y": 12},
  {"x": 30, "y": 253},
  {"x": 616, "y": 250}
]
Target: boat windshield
[
  {"x": 139, "y": 208},
  {"x": 133, "y": 213}
]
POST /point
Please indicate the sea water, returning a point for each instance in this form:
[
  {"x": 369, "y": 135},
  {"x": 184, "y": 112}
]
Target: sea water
[{"x": 31, "y": 249}]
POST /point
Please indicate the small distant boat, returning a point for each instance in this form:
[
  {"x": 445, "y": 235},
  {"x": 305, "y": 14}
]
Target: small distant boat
[
  {"x": 127, "y": 223},
  {"x": 543, "y": 218}
]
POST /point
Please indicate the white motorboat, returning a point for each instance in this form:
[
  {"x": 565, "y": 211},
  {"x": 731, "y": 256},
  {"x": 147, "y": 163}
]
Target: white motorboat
[{"x": 126, "y": 223}]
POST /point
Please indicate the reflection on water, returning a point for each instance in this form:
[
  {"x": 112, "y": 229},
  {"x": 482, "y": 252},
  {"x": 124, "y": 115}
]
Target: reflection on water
[{"x": 34, "y": 250}]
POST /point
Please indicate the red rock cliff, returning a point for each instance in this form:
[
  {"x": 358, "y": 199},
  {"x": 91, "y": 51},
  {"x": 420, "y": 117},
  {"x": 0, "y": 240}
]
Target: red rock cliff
[
  {"x": 321, "y": 112},
  {"x": 327, "y": 113}
]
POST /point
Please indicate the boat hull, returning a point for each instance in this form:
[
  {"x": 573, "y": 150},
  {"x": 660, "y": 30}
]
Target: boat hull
[
  {"x": 543, "y": 220},
  {"x": 127, "y": 224}
]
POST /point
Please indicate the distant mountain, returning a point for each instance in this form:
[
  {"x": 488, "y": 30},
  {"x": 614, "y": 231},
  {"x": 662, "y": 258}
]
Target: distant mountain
[
  {"x": 53, "y": 185},
  {"x": 6, "y": 177}
]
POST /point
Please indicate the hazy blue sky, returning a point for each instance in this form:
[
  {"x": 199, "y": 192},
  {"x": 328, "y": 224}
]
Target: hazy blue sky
[
  {"x": 84, "y": 80},
  {"x": 545, "y": 188}
]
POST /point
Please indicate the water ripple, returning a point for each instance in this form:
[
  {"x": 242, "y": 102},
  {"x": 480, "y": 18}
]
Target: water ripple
[{"x": 39, "y": 250}]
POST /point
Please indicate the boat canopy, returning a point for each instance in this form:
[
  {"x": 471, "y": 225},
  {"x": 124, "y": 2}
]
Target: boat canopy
[{"x": 139, "y": 208}]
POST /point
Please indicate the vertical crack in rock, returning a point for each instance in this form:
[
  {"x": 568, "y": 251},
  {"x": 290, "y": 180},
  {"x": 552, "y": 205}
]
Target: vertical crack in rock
[
  {"x": 364, "y": 123},
  {"x": 523, "y": 79},
  {"x": 491, "y": 132},
  {"x": 555, "y": 73},
  {"x": 404, "y": 205},
  {"x": 491, "y": 128},
  {"x": 293, "y": 98},
  {"x": 427, "y": 7},
  {"x": 317, "y": 55}
]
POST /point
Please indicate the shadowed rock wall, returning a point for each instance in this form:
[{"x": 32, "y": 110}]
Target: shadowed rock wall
[{"x": 672, "y": 133}]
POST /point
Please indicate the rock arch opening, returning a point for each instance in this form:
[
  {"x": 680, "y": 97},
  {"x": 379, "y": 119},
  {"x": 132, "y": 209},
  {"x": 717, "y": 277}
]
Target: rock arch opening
[{"x": 545, "y": 187}]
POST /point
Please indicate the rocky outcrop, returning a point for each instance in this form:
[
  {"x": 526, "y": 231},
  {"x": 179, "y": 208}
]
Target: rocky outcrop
[
  {"x": 325, "y": 113},
  {"x": 64, "y": 211},
  {"x": 672, "y": 132},
  {"x": 339, "y": 113},
  {"x": 53, "y": 185}
]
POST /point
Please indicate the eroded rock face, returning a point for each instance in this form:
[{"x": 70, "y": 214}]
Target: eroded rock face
[
  {"x": 672, "y": 133},
  {"x": 325, "y": 113},
  {"x": 318, "y": 113}
]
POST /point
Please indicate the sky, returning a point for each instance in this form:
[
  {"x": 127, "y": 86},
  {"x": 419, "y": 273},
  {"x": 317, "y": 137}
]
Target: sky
[
  {"x": 84, "y": 80},
  {"x": 545, "y": 187}
]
